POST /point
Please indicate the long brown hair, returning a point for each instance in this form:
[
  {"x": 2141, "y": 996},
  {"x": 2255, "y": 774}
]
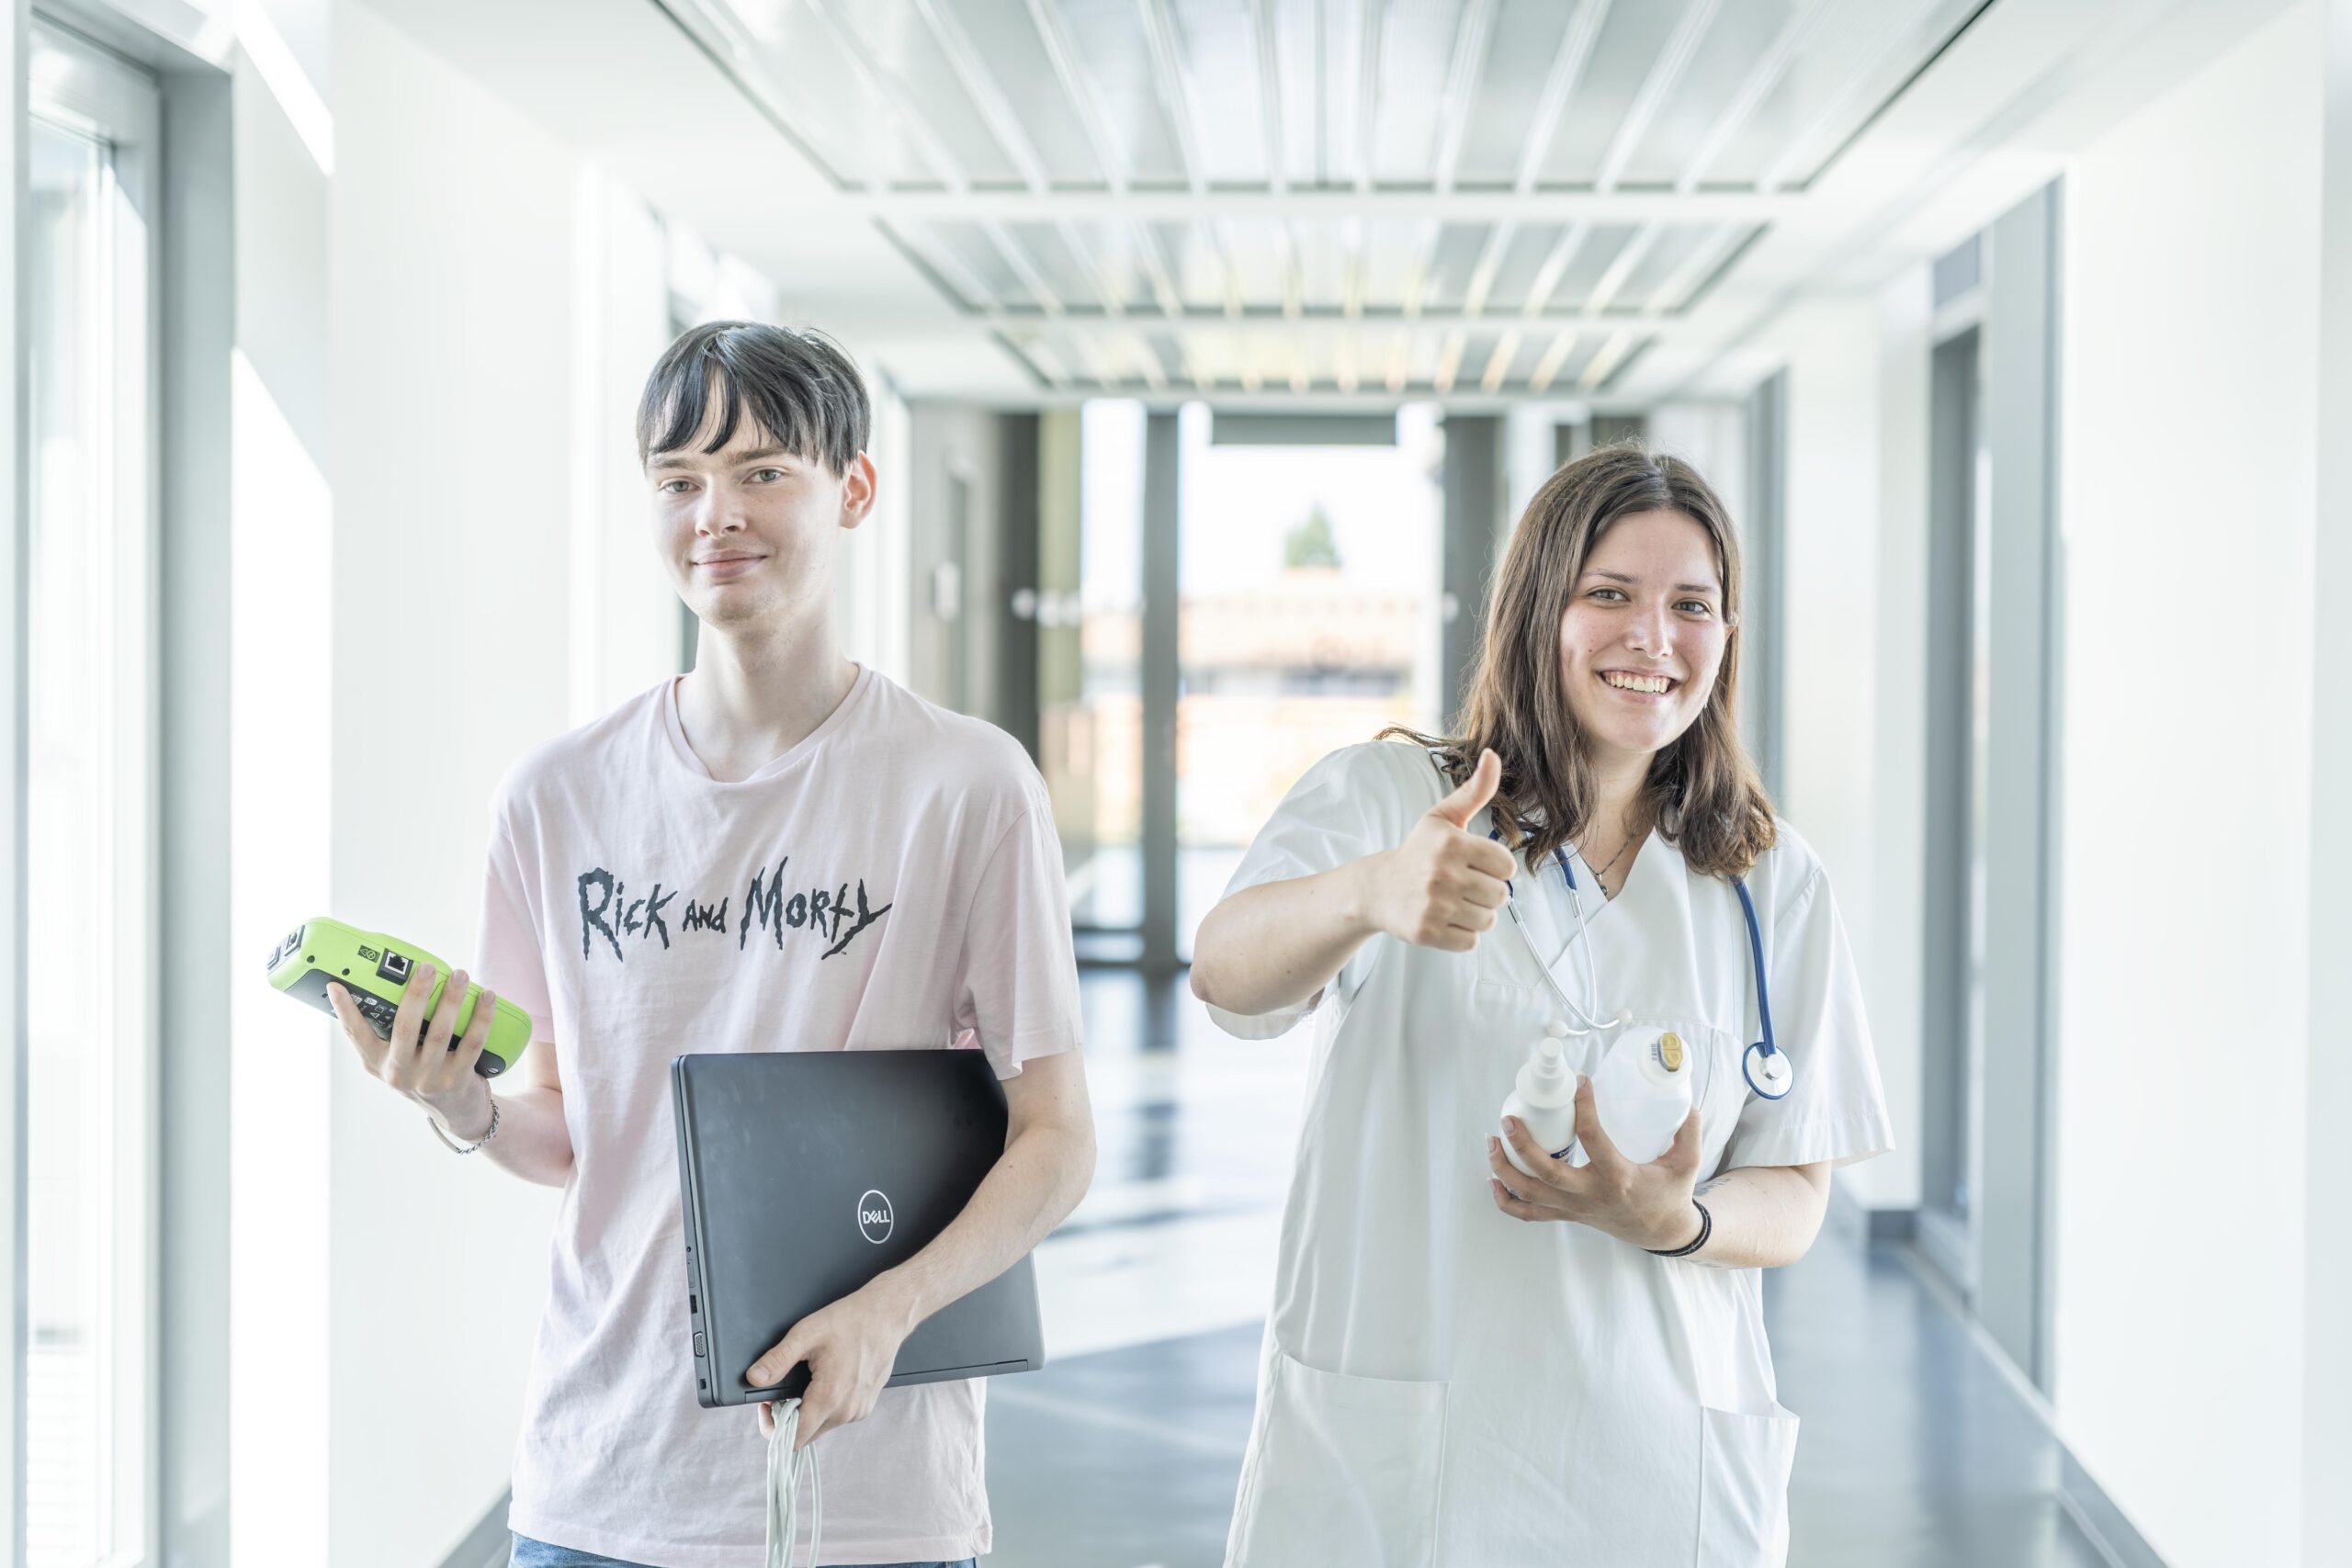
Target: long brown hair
[{"x": 1702, "y": 793}]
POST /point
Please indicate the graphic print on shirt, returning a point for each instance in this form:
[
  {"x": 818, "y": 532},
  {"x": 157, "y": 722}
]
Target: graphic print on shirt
[{"x": 607, "y": 910}]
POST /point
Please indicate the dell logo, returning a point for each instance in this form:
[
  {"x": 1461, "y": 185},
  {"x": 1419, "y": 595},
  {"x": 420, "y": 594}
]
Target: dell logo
[{"x": 874, "y": 1216}]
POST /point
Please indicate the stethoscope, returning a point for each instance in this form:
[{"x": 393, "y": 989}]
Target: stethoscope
[{"x": 1764, "y": 1064}]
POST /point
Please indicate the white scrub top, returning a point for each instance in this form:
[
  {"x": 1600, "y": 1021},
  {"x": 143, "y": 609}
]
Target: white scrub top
[{"x": 1445, "y": 1385}]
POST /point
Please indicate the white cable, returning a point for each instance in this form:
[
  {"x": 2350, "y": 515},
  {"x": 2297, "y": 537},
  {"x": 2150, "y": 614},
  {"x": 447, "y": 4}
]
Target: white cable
[{"x": 784, "y": 1488}]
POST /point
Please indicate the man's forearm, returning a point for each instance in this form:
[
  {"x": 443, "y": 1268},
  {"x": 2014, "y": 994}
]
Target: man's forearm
[
  {"x": 1032, "y": 1187},
  {"x": 533, "y": 1141},
  {"x": 1765, "y": 1216}
]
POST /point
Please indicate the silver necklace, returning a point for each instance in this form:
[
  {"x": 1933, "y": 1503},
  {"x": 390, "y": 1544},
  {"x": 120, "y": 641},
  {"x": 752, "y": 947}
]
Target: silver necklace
[{"x": 1601, "y": 876}]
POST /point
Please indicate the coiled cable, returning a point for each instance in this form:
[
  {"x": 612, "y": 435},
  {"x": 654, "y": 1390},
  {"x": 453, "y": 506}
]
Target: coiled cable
[{"x": 784, "y": 1464}]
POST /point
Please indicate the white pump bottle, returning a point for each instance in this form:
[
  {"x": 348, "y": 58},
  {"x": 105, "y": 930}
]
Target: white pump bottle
[
  {"x": 1642, "y": 1094},
  {"x": 1544, "y": 1097}
]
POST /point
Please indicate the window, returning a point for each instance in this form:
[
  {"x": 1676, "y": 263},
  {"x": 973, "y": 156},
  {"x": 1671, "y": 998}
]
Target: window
[{"x": 91, "y": 801}]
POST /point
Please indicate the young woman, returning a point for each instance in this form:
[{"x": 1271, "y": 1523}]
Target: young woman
[{"x": 1465, "y": 1365}]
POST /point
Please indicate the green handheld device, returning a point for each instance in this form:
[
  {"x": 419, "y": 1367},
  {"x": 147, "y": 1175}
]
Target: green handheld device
[{"x": 374, "y": 969}]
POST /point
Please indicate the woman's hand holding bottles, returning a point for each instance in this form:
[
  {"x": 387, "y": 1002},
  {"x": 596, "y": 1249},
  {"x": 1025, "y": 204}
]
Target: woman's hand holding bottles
[{"x": 1646, "y": 1204}]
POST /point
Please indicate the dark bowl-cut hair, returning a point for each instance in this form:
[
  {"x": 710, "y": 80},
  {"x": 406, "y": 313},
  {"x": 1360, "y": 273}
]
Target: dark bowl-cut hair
[{"x": 798, "y": 387}]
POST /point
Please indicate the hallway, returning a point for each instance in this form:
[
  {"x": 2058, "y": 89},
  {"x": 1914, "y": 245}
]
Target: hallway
[{"x": 1918, "y": 1452}]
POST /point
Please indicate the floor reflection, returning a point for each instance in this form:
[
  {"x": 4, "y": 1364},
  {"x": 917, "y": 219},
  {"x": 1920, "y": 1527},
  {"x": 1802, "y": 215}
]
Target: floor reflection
[{"x": 1123, "y": 1452}]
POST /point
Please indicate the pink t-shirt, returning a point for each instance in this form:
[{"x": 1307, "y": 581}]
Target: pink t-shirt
[{"x": 893, "y": 880}]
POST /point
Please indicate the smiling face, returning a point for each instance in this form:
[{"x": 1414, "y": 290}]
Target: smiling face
[
  {"x": 747, "y": 532},
  {"x": 1643, "y": 637}
]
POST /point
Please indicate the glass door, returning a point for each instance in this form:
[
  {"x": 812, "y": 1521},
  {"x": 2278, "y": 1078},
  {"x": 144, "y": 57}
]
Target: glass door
[
  {"x": 1309, "y": 620},
  {"x": 1091, "y": 741},
  {"x": 1956, "y": 710}
]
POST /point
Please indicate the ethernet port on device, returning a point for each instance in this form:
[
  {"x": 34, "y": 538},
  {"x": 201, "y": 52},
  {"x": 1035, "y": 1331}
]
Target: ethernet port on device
[{"x": 394, "y": 967}]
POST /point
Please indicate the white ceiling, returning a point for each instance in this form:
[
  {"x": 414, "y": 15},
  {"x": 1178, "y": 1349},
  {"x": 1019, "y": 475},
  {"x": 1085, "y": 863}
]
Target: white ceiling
[
  {"x": 1334, "y": 200},
  {"x": 1411, "y": 196}
]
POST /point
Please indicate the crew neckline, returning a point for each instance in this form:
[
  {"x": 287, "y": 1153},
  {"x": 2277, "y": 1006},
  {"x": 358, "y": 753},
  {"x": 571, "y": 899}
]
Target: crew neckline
[{"x": 683, "y": 754}]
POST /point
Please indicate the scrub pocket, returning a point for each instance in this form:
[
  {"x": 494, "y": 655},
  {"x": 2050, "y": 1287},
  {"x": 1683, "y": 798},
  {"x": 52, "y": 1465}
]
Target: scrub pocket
[
  {"x": 1744, "y": 1488},
  {"x": 1343, "y": 1469}
]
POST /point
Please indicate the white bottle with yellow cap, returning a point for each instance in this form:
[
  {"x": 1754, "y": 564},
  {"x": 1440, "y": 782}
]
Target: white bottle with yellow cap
[{"x": 1642, "y": 1094}]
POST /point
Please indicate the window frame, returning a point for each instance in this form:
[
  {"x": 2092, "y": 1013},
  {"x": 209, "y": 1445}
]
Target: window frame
[{"x": 81, "y": 86}]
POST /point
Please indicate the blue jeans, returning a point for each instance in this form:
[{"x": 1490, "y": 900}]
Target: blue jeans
[{"x": 529, "y": 1554}]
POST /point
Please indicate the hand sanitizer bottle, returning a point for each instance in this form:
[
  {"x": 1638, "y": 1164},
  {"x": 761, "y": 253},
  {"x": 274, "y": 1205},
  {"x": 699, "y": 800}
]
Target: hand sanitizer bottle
[
  {"x": 1642, "y": 1094},
  {"x": 1545, "y": 1098}
]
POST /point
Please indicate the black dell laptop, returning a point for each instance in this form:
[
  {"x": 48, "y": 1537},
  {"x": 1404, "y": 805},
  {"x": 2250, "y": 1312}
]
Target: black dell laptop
[{"x": 804, "y": 1174}]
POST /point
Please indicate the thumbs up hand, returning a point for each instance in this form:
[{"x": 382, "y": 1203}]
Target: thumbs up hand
[{"x": 1443, "y": 886}]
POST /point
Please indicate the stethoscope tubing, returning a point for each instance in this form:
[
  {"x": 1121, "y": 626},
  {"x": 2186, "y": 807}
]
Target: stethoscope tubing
[
  {"x": 1768, "y": 1071},
  {"x": 1583, "y": 1022}
]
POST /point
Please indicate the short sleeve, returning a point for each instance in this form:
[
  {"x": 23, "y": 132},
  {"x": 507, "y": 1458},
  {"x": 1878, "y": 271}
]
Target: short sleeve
[
  {"x": 507, "y": 955},
  {"x": 1355, "y": 802},
  {"x": 1018, "y": 986},
  {"x": 1835, "y": 1111}
]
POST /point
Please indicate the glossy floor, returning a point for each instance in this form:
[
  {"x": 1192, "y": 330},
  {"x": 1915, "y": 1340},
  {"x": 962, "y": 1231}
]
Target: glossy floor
[{"x": 1124, "y": 1452}]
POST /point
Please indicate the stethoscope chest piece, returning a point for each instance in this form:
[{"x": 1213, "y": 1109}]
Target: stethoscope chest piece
[{"x": 1767, "y": 1070}]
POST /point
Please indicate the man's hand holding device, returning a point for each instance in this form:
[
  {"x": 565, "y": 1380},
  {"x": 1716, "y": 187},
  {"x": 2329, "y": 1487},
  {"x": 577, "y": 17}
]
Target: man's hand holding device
[
  {"x": 430, "y": 1042},
  {"x": 428, "y": 1059}
]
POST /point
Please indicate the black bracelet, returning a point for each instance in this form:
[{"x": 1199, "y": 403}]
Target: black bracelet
[{"x": 1706, "y": 1229}]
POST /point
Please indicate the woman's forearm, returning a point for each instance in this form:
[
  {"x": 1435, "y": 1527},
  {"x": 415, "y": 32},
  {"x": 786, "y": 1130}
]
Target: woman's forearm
[
  {"x": 1277, "y": 945},
  {"x": 1765, "y": 1216}
]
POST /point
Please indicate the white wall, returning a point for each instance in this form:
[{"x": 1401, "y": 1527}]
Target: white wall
[
  {"x": 871, "y": 598},
  {"x": 439, "y": 559},
  {"x": 1712, "y": 436},
  {"x": 1844, "y": 647},
  {"x": 281, "y": 680},
  {"x": 453, "y": 332},
  {"x": 2188, "y": 459},
  {"x": 620, "y": 324},
  {"x": 1898, "y": 780},
  {"x": 2327, "y": 1234}
]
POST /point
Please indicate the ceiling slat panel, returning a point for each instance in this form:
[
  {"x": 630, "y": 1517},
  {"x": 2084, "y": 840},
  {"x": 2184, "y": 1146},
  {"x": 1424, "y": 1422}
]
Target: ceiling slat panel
[
  {"x": 1674, "y": 245},
  {"x": 1323, "y": 266},
  {"x": 1195, "y": 261},
  {"x": 1325, "y": 193},
  {"x": 1602, "y": 245},
  {"x": 1255, "y": 248},
  {"x": 1165, "y": 349},
  {"x": 1425, "y": 352},
  {"x": 1699, "y": 274},
  {"x": 1002, "y": 33},
  {"x": 1219, "y": 50},
  {"x": 1526, "y": 40},
  {"x": 1117, "y": 58},
  {"x": 1630, "y": 44},
  {"x": 1416, "y": 48},
  {"x": 1520, "y": 261},
  {"x": 1117, "y": 253},
  {"x": 1459, "y": 245},
  {"x": 1299, "y": 51},
  {"x": 1858, "y": 54},
  {"x": 1065, "y": 273},
  {"x": 968, "y": 246},
  {"x": 902, "y": 48},
  {"x": 835, "y": 112},
  {"x": 1391, "y": 261},
  {"x": 1740, "y": 34}
]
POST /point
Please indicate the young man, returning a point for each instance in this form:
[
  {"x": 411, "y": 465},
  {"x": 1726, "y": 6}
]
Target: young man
[{"x": 780, "y": 851}]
